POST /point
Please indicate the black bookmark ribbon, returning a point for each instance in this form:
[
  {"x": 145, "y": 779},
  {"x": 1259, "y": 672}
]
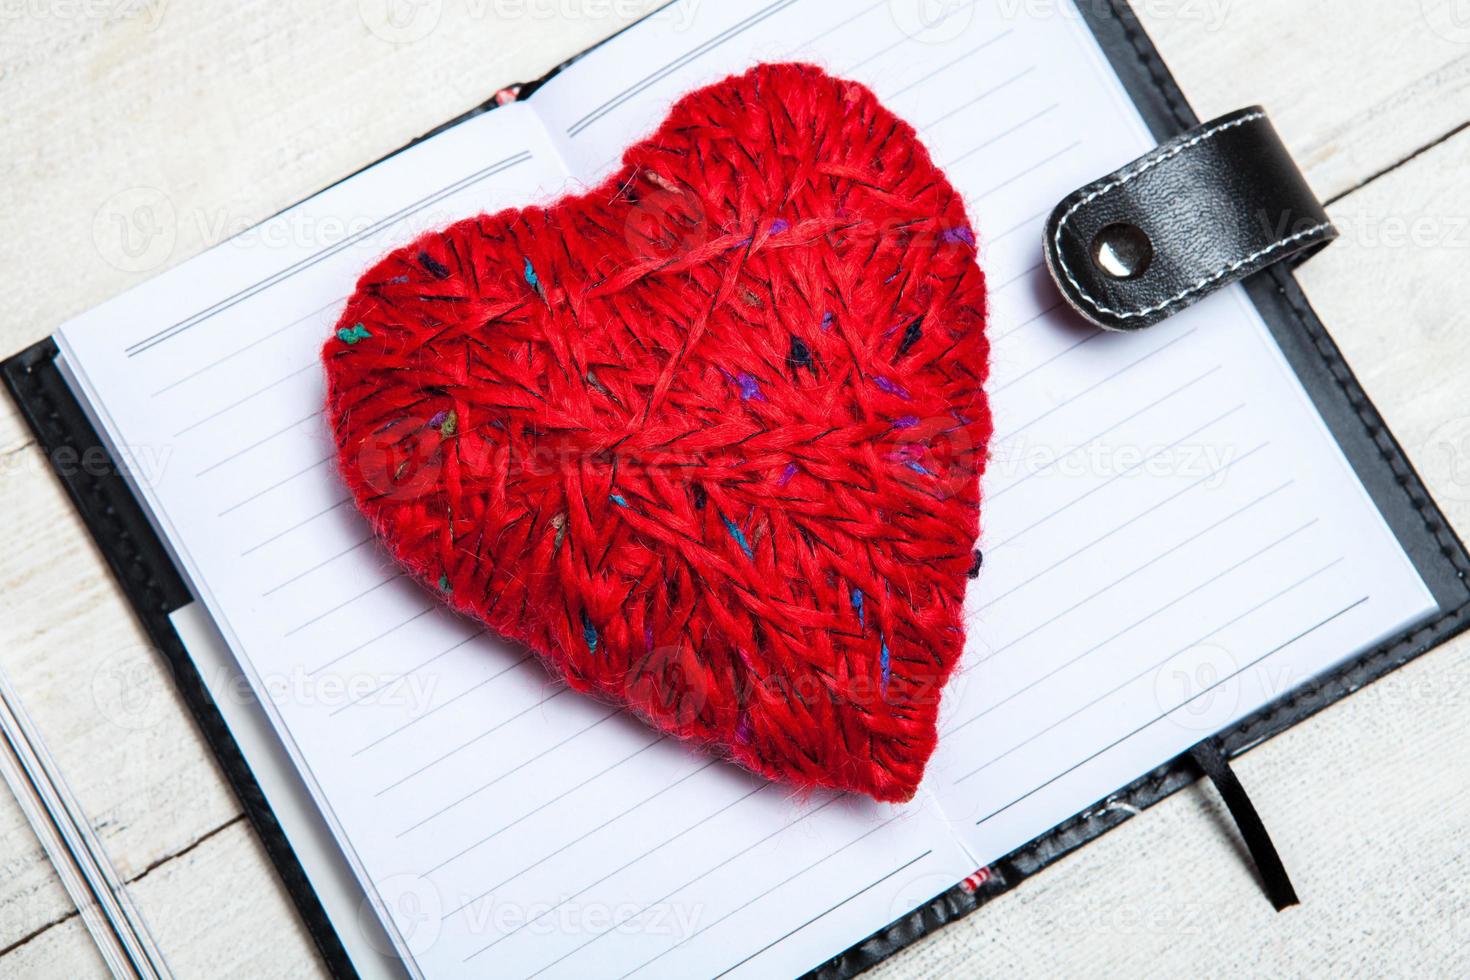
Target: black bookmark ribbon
[{"x": 1208, "y": 756}]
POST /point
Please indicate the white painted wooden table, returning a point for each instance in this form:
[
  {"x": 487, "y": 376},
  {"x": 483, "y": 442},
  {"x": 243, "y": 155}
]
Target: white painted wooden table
[{"x": 218, "y": 113}]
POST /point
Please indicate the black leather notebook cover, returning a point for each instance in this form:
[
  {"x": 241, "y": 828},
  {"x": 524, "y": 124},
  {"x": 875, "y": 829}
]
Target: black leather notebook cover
[{"x": 155, "y": 588}]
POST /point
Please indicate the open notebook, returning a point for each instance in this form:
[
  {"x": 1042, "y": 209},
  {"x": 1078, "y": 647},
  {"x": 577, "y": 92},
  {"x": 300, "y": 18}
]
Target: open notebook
[{"x": 1173, "y": 536}]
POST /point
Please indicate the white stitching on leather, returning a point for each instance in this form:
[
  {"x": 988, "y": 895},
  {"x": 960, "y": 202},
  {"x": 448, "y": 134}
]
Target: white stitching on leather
[{"x": 1138, "y": 170}]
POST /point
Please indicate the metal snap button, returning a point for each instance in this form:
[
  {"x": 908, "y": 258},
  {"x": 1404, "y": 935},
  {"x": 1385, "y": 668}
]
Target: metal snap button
[{"x": 1122, "y": 251}]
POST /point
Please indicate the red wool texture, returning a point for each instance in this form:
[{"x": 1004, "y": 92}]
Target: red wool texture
[{"x": 707, "y": 438}]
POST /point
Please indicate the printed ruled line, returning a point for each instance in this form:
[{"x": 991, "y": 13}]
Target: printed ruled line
[
  {"x": 1122, "y": 632},
  {"x": 1114, "y": 744},
  {"x": 1026, "y": 273},
  {"x": 1026, "y": 323},
  {"x": 1154, "y": 561},
  {"x": 1152, "y": 668},
  {"x": 852, "y": 70},
  {"x": 551, "y": 802},
  {"x": 310, "y": 317},
  {"x": 234, "y": 405},
  {"x": 1033, "y": 168},
  {"x": 1095, "y": 334},
  {"x": 1056, "y": 461},
  {"x": 414, "y": 670},
  {"x": 1148, "y": 512},
  {"x": 625, "y": 866},
  {"x": 822, "y": 915},
  {"x": 765, "y": 894},
  {"x": 804, "y": 45},
  {"x": 503, "y": 776},
  {"x": 1036, "y": 117},
  {"x": 1114, "y": 479},
  {"x": 342, "y": 605},
  {"x": 617, "y": 101},
  {"x": 367, "y": 643},
  {"x": 1020, "y": 226},
  {"x": 619, "y": 870},
  {"x": 507, "y": 774},
  {"x": 950, "y": 64},
  {"x": 294, "y": 527},
  {"x": 692, "y": 881},
  {"x": 485, "y": 733},
  {"x": 904, "y": 38},
  {"x": 314, "y": 416},
  {"x": 315, "y": 568},
  {"x": 976, "y": 100},
  {"x": 478, "y": 685},
  {"x": 148, "y": 343},
  {"x": 1095, "y": 385},
  {"x": 275, "y": 486},
  {"x": 573, "y": 843}
]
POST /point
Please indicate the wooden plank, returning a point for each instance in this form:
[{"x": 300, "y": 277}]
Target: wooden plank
[
  {"x": 138, "y": 134},
  {"x": 216, "y": 910},
  {"x": 1366, "y": 801},
  {"x": 219, "y": 910},
  {"x": 62, "y": 950},
  {"x": 31, "y": 896},
  {"x": 13, "y": 431},
  {"x": 1393, "y": 291},
  {"x": 279, "y": 100},
  {"x": 102, "y": 699},
  {"x": 136, "y": 763},
  {"x": 1354, "y": 87},
  {"x": 116, "y": 190}
]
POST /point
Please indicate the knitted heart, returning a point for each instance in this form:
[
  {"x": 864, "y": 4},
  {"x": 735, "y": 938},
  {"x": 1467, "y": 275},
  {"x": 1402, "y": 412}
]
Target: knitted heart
[{"x": 706, "y": 438}]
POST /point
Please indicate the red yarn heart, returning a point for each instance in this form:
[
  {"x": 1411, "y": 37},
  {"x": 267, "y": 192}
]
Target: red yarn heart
[{"x": 706, "y": 438}]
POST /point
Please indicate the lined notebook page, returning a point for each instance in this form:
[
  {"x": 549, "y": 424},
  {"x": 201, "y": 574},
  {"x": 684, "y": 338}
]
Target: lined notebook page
[
  {"x": 504, "y": 825},
  {"x": 1171, "y": 537}
]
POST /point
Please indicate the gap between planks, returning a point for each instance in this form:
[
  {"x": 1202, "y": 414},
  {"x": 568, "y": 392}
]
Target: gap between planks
[{"x": 160, "y": 862}]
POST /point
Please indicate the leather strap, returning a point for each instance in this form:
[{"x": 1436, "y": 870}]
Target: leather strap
[
  {"x": 1202, "y": 211},
  {"x": 1274, "y": 879}
]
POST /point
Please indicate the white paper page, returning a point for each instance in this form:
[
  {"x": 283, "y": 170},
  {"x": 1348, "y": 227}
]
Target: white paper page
[
  {"x": 502, "y": 824},
  {"x": 450, "y": 764},
  {"x": 1171, "y": 537},
  {"x": 314, "y": 843}
]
